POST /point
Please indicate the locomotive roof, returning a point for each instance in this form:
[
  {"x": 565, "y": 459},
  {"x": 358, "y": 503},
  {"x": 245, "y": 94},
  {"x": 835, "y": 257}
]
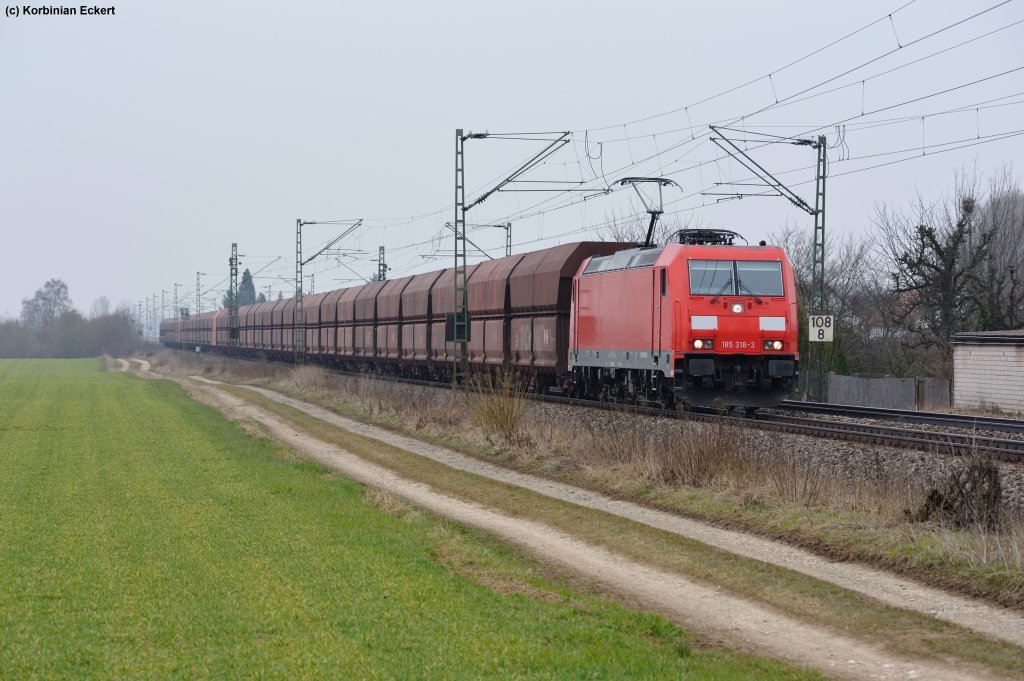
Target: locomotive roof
[
  {"x": 634, "y": 258},
  {"x": 624, "y": 260}
]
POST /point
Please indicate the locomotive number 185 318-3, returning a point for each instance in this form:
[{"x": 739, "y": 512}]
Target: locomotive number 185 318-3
[{"x": 738, "y": 345}]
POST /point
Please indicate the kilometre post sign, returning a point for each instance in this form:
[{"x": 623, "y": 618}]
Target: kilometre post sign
[{"x": 820, "y": 328}]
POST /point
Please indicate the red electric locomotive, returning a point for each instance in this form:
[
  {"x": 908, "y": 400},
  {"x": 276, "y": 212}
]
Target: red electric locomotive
[{"x": 702, "y": 321}]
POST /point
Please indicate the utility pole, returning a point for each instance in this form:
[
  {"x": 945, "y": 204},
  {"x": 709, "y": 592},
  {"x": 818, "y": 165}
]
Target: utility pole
[
  {"x": 818, "y": 260},
  {"x": 199, "y": 300},
  {"x": 312, "y": 283},
  {"x": 460, "y": 320},
  {"x": 233, "y": 296},
  {"x": 382, "y": 268},
  {"x": 819, "y": 294},
  {"x": 177, "y": 308},
  {"x": 298, "y": 319}
]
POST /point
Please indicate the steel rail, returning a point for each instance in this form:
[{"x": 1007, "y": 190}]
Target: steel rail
[
  {"x": 930, "y": 440},
  {"x": 888, "y": 436},
  {"x": 907, "y": 416}
]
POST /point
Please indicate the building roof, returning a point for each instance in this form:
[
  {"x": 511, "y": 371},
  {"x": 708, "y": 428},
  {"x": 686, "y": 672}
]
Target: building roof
[{"x": 1011, "y": 337}]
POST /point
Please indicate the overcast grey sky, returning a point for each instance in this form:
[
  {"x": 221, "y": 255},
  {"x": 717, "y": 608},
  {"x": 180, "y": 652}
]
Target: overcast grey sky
[{"x": 135, "y": 148}]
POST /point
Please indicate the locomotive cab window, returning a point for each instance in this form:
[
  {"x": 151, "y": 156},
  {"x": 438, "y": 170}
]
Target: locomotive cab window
[
  {"x": 759, "y": 277},
  {"x": 735, "y": 278},
  {"x": 711, "y": 277}
]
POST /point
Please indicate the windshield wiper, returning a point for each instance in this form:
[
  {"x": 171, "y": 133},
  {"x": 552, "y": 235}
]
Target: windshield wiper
[
  {"x": 744, "y": 286},
  {"x": 726, "y": 285}
]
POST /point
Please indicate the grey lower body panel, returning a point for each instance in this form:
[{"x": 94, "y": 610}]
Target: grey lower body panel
[{"x": 622, "y": 359}]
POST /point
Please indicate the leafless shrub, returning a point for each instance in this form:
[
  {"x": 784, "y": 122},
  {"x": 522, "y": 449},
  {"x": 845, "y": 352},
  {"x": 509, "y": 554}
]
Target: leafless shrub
[
  {"x": 698, "y": 455},
  {"x": 421, "y": 407},
  {"x": 310, "y": 378},
  {"x": 970, "y": 496},
  {"x": 794, "y": 476},
  {"x": 380, "y": 397},
  {"x": 981, "y": 547},
  {"x": 877, "y": 489},
  {"x": 498, "y": 401},
  {"x": 705, "y": 453},
  {"x": 613, "y": 447},
  {"x": 560, "y": 440}
]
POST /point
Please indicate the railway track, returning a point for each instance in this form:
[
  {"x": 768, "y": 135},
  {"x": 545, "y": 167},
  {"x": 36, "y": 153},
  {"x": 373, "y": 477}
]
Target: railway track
[
  {"x": 888, "y": 436},
  {"x": 893, "y": 436},
  {"x": 905, "y": 416}
]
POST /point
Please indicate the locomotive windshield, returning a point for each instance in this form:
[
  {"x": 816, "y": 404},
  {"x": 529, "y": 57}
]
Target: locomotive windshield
[
  {"x": 759, "y": 277},
  {"x": 711, "y": 277},
  {"x": 735, "y": 277}
]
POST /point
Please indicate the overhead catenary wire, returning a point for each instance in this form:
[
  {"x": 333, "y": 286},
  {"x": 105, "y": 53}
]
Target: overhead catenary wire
[
  {"x": 520, "y": 216},
  {"x": 758, "y": 79},
  {"x": 659, "y": 155},
  {"x": 774, "y": 71},
  {"x": 677, "y": 152}
]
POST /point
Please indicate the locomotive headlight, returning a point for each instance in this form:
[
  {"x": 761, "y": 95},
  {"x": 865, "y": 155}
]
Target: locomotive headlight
[
  {"x": 737, "y": 308},
  {"x": 773, "y": 345},
  {"x": 703, "y": 344}
]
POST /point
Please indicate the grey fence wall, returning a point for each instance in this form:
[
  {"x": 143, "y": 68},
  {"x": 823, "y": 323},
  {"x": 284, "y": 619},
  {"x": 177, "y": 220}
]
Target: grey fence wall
[
  {"x": 889, "y": 393},
  {"x": 934, "y": 393}
]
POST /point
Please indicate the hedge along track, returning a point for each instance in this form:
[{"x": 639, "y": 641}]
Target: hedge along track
[{"x": 889, "y": 436}]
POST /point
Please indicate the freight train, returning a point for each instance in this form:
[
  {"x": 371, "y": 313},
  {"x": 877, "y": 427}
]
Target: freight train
[{"x": 700, "y": 322}]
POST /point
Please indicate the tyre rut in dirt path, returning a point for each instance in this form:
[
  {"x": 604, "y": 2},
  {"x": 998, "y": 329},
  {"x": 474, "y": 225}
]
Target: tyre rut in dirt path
[{"x": 718, "y": 616}]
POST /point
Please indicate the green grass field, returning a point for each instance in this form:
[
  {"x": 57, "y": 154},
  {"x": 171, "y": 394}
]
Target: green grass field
[{"x": 142, "y": 534}]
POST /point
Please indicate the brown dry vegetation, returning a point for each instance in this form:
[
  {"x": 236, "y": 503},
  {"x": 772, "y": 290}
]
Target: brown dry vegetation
[{"x": 735, "y": 477}]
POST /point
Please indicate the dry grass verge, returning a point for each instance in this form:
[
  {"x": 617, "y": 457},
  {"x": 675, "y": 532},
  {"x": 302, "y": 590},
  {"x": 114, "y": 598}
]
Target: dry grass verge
[{"x": 498, "y": 401}]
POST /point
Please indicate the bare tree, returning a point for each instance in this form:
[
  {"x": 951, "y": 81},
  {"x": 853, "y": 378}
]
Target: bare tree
[
  {"x": 100, "y": 308},
  {"x": 999, "y": 288},
  {"x": 49, "y": 303},
  {"x": 934, "y": 256},
  {"x": 847, "y": 269},
  {"x": 52, "y": 328},
  {"x": 847, "y": 265}
]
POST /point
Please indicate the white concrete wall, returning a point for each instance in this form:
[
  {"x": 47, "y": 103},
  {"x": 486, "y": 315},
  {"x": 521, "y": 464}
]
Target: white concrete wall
[{"x": 987, "y": 376}]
